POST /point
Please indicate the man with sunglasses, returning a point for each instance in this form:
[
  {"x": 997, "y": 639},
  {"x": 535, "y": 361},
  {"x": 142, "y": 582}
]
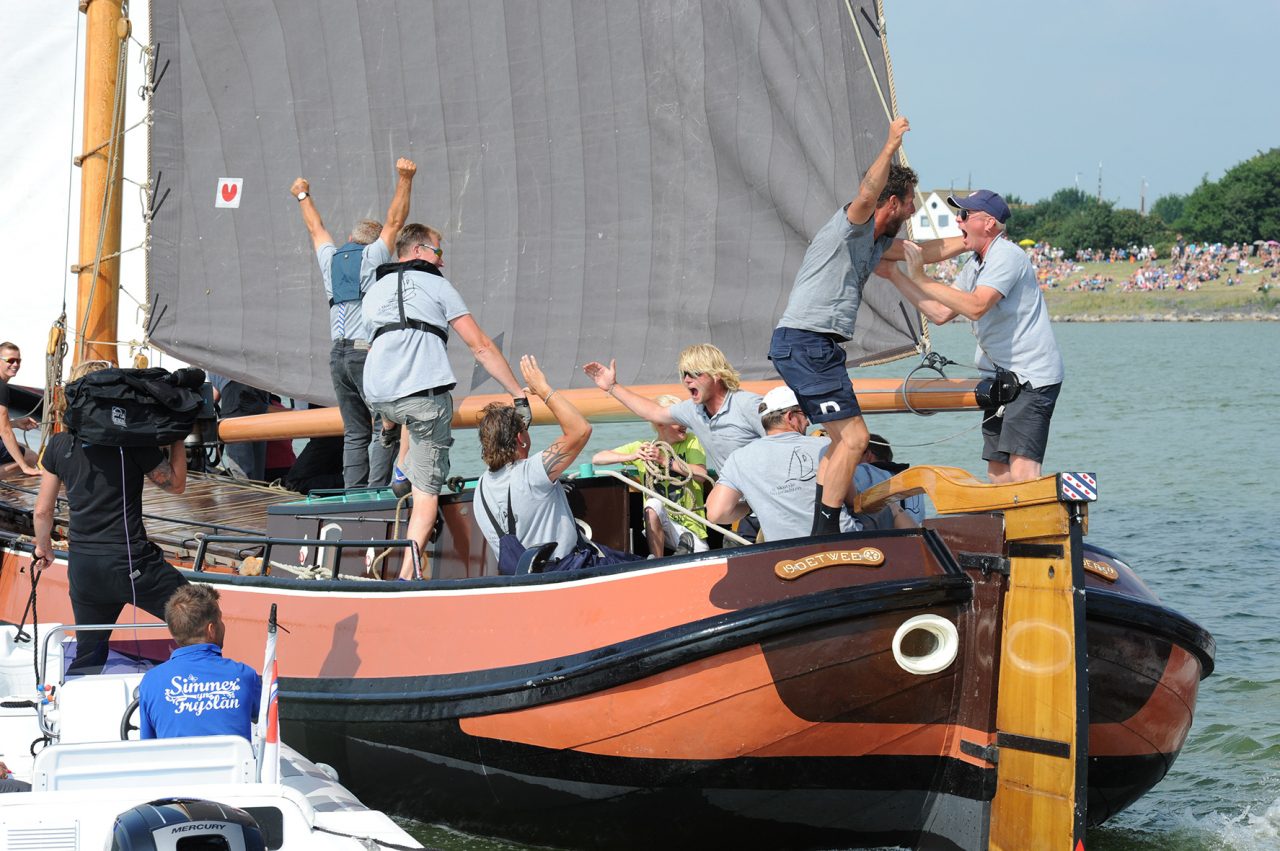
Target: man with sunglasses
[
  {"x": 347, "y": 273},
  {"x": 807, "y": 346},
  {"x": 720, "y": 414},
  {"x": 997, "y": 290},
  {"x": 411, "y": 309},
  {"x": 13, "y": 455}
]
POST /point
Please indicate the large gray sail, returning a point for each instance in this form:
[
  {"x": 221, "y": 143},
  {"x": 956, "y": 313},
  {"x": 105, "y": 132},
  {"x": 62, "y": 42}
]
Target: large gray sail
[{"x": 613, "y": 179}]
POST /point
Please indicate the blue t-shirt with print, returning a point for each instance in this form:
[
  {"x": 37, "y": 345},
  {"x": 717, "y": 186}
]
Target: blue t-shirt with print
[{"x": 198, "y": 693}]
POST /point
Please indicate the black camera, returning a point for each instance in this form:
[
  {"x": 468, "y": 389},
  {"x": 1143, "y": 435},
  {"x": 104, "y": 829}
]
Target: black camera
[{"x": 1000, "y": 389}]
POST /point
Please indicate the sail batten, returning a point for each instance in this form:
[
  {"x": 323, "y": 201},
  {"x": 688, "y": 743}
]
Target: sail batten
[{"x": 613, "y": 179}]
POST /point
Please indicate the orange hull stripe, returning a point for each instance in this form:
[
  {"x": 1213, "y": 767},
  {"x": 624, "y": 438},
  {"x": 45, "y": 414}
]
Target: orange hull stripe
[{"x": 684, "y": 714}]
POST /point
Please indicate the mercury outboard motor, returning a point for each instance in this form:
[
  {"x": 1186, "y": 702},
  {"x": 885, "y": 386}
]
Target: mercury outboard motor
[{"x": 186, "y": 824}]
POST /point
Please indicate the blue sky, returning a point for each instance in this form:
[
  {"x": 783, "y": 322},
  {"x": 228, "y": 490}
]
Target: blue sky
[{"x": 1023, "y": 96}]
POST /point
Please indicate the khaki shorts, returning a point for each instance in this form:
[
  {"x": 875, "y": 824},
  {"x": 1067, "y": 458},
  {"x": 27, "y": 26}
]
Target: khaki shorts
[{"x": 427, "y": 420}]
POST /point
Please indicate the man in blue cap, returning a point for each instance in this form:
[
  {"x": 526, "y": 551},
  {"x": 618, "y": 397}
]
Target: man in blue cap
[{"x": 997, "y": 290}]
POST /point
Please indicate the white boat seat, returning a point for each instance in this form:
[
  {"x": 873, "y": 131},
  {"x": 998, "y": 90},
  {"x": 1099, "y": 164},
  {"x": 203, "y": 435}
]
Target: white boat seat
[
  {"x": 90, "y": 708},
  {"x": 179, "y": 761}
]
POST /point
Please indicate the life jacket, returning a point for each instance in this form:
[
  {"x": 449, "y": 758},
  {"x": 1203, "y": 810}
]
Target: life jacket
[
  {"x": 344, "y": 273},
  {"x": 406, "y": 322}
]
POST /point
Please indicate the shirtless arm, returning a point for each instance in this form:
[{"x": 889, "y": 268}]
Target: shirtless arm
[
  {"x": 487, "y": 354},
  {"x": 10, "y": 441},
  {"x": 606, "y": 378},
  {"x": 575, "y": 431},
  {"x": 310, "y": 215},
  {"x": 725, "y": 505},
  {"x": 171, "y": 475},
  {"x": 42, "y": 518},
  {"x": 863, "y": 207},
  {"x": 398, "y": 212}
]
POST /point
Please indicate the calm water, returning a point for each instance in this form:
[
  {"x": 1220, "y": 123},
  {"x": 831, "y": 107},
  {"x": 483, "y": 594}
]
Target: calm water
[{"x": 1180, "y": 422}]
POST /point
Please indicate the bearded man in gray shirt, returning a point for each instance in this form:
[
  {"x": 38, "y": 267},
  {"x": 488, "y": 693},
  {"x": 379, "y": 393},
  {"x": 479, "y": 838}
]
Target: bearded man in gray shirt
[{"x": 806, "y": 348}]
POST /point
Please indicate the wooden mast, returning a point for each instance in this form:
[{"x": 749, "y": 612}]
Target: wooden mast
[{"x": 97, "y": 298}]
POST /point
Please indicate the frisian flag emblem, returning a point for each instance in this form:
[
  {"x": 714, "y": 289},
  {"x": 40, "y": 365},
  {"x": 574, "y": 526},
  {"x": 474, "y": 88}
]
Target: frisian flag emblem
[{"x": 1077, "y": 487}]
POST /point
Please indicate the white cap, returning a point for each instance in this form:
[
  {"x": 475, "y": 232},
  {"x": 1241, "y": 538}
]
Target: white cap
[{"x": 779, "y": 399}]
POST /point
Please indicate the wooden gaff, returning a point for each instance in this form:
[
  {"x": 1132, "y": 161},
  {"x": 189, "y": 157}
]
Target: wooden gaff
[{"x": 875, "y": 395}]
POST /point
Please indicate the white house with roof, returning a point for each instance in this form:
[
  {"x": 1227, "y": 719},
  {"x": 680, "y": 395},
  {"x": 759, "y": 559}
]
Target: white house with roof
[{"x": 933, "y": 218}]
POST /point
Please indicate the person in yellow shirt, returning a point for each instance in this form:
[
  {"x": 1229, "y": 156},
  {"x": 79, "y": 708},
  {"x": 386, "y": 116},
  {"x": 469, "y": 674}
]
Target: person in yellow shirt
[{"x": 666, "y": 529}]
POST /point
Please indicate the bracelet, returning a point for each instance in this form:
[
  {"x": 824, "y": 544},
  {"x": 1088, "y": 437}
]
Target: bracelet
[
  {"x": 613, "y": 387},
  {"x": 547, "y": 399}
]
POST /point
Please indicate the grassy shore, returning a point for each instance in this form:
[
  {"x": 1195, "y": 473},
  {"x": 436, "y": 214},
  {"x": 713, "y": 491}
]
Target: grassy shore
[{"x": 1213, "y": 301}]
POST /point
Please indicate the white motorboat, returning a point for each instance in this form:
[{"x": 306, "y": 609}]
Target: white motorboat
[{"x": 92, "y": 781}]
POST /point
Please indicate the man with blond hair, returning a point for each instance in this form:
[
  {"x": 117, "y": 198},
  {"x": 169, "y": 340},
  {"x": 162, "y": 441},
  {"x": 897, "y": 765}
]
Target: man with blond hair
[
  {"x": 721, "y": 415},
  {"x": 13, "y": 455},
  {"x": 347, "y": 273},
  {"x": 411, "y": 308}
]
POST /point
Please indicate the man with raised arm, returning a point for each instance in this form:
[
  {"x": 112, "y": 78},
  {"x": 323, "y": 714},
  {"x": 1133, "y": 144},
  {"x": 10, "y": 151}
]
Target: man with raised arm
[
  {"x": 347, "y": 275},
  {"x": 720, "y": 414},
  {"x": 997, "y": 290},
  {"x": 410, "y": 308},
  {"x": 823, "y": 308},
  {"x": 110, "y": 561},
  {"x": 13, "y": 455}
]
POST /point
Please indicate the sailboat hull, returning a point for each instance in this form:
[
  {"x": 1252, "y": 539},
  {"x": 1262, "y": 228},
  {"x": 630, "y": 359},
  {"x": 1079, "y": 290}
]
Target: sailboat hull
[{"x": 700, "y": 699}]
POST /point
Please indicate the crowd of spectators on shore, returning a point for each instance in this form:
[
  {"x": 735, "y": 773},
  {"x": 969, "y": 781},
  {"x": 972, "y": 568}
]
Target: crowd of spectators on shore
[{"x": 1190, "y": 266}]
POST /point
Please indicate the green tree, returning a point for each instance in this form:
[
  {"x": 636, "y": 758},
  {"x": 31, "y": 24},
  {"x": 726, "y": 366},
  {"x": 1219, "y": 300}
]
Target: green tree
[
  {"x": 1168, "y": 208},
  {"x": 1242, "y": 207}
]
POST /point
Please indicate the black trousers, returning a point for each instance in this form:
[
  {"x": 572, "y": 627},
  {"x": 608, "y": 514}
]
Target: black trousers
[{"x": 102, "y": 584}]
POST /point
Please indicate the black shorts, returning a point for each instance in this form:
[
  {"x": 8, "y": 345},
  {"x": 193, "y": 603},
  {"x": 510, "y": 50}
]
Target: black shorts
[
  {"x": 813, "y": 365},
  {"x": 1024, "y": 428}
]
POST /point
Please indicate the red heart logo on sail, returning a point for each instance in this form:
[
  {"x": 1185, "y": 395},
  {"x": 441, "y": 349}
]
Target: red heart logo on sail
[{"x": 229, "y": 191}]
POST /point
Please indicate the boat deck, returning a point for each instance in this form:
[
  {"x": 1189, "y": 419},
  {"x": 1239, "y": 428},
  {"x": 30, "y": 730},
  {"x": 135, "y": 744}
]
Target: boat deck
[{"x": 209, "y": 505}]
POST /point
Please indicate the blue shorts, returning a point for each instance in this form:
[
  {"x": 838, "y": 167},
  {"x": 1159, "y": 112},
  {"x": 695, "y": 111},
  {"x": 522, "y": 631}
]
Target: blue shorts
[{"x": 813, "y": 365}]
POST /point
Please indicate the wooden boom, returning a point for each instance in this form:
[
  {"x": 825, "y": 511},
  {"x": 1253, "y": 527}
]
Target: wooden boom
[{"x": 875, "y": 395}]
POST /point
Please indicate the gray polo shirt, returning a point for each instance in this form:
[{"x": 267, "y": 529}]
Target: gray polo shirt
[
  {"x": 346, "y": 320},
  {"x": 1015, "y": 333},
  {"x": 777, "y": 476},
  {"x": 539, "y": 504},
  {"x": 404, "y": 362},
  {"x": 828, "y": 287},
  {"x": 736, "y": 424}
]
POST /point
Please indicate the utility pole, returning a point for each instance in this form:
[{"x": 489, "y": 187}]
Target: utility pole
[
  {"x": 1142, "y": 202},
  {"x": 1099, "y": 181}
]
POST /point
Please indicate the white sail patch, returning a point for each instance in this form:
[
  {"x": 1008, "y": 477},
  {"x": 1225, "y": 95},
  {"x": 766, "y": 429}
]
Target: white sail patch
[{"x": 228, "y": 192}]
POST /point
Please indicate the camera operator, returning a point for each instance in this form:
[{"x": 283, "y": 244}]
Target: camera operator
[{"x": 111, "y": 563}]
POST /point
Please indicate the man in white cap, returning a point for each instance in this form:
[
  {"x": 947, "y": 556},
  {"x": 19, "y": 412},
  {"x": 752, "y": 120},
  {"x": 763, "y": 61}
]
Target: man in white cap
[
  {"x": 997, "y": 289},
  {"x": 773, "y": 476}
]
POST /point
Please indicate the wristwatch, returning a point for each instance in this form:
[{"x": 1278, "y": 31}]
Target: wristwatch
[{"x": 302, "y": 196}]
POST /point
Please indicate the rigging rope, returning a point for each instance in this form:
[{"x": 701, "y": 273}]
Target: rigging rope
[{"x": 659, "y": 471}]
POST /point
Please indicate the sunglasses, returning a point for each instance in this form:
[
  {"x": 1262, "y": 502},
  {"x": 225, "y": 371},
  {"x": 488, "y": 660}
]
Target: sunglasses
[
  {"x": 964, "y": 215},
  {"x": 687, "y": 374},
  {"x": 439, "y": 251},
  {"x": 13, "y": 361}
]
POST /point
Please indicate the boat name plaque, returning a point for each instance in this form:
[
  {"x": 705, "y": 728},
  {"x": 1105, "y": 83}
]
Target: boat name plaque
[
  {"x": 794, "y": 568},
  {"x": 1101, "y": 568}
]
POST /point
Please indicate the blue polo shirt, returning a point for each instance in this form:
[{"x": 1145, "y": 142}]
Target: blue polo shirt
[{"x": 198, "y": 693}]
